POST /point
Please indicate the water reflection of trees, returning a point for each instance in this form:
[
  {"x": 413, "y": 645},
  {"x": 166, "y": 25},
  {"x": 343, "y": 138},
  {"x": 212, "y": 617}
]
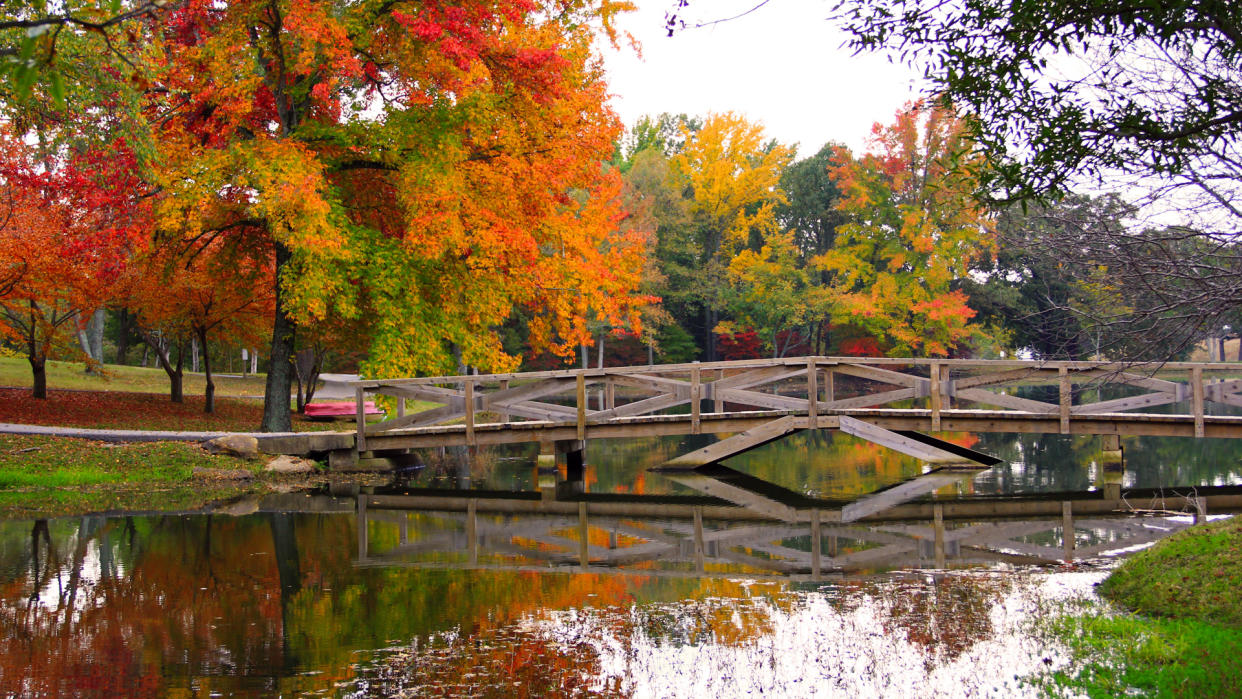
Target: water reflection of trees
[
  {"x": 148, "y": 606},
  {"x": 740, "y": 631}
]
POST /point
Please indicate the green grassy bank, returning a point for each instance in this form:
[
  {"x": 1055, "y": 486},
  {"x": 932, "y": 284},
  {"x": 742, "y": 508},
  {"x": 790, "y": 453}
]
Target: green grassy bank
[
  {"x": 55, "y": 477},
  {"x": 1182, "y": 636}
]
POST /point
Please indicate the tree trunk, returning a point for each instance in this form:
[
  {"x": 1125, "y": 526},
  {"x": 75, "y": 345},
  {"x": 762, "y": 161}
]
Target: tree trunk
[
  {"x": 194, "y": 354},
  {"x": 124, "y": 321},
  {"x": 209, "y": 393},
  {"x": 308, "y": 362},
  {"x": 600, "y": 355},
  {"x": 276, "y": 414},
  {"x": 38, "y": 368},
  {"x": 176, "y": 376},
  {"x": 38, "y": 361}
]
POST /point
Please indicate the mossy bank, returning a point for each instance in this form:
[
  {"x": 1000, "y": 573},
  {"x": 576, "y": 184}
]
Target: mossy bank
[
  {"x": 55, "y": 477},
  {"x": 1179, "y": 630}
]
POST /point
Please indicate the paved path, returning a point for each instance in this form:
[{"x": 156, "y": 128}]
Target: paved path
[{"x": 336, "y": 387}]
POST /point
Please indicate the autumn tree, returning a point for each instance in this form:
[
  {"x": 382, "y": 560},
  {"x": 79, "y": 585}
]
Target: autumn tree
[
  {"x": 57, "y": 254},
  {"x": 427, "y": 168},
  {"x": 729, "y": 175},
  {"x": 913, "y": 228}
]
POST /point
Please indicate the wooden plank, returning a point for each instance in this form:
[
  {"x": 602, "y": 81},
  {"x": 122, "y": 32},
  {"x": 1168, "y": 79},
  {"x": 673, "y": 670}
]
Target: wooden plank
[
  {"x": 897, "y": 442},
  {"x": 762, "y": 400},
  {"x": 717, "y": 401},
  {"x": 934, "y": 380},
  {"x": 759, "y": 377},
  {"x": 743, "y": 497},
  {"x": 1066, "y": 396},
  {"x": 985, "y": 397},
  {"x": 882, "y": 375},
  {"x": 422, "y": 418},
  {"x": 903, "y": 492},
  {"x": 1153, "y": 384},
  {"x": 642, "y": 407},
  {"x": 1003, "y": 377},
  {"x": 873, "y": 399},
  {"x": 1117, "y": 405},
  {"x": 507, "y": 396},
  {"x": 745, "y": 441},
  {"x": 655, "y": 384},
  {"x": 1196, "y": 388}
]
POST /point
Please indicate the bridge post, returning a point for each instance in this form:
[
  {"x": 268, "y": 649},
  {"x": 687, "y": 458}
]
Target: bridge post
[
  {"x": 361, "y": 416},
  {"x": 1065, "y": 388},
  {"x": 700, "y": 555},
  {"x": 469, "y": 407},
  {"x": 504, "y": 386},
  {"x": 472, "y": 530},
  {"x": 582, "y": 406},
  {"x": 717, "y": 401},
  {"x": 816, "y": 539},
  {"x": 1196, "y": 388},
  {"x": 1112, "y": 466},
  {"x": 584, "y": 531},
  {"x": 545, "y": 471},
  {"x": 1067, "y": 530},
  {"x": 934, "y": 377},
  {"x": 696, "y": 398},
  {"x": 812, "y": 391},
  {"x": 938, "y": 533},
  {"x": 361, "y": 516}
]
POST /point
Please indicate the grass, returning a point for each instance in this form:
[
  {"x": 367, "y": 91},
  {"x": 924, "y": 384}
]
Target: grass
[
  {"x": 1195, "y": 574},
  {"x": 70, "y": 376},
  {"x": 1138, "y": 656},
  {"x": 54, "y": 477},
  {"x": 139, "y": 411},
  {"x": 1183, "y": 633}
]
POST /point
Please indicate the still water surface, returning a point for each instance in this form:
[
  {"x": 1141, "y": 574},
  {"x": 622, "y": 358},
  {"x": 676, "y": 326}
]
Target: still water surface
[{"x": 282, "y": 602}]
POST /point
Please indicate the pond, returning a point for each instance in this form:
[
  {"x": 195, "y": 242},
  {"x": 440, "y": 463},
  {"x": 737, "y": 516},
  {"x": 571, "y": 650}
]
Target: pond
[{"x": 312, "y": 594}]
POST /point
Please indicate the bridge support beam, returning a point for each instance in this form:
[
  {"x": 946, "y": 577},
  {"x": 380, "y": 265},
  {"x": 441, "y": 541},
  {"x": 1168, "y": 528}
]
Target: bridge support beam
[
  {"x": 1112, "y": 467},
  {"x": 567, "y": 456}
]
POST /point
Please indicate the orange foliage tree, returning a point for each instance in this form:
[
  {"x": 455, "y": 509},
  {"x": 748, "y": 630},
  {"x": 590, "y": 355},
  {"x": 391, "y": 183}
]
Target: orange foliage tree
[
  {"x": 57, "y": 256},
  {"x": 913, "y": 228},
  {"x": 425, "y": 167}
]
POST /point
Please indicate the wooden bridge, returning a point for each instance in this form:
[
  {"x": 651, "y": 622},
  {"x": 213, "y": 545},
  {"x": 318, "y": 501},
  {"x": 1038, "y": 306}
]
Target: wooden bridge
[{"x": 890, "y": 401}]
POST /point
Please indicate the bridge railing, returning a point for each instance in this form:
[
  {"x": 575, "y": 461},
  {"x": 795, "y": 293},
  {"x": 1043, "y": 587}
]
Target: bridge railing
[{"x": 811, "y": 386}]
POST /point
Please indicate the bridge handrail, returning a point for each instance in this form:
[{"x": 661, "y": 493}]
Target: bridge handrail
[
  {"x": 821, "y": 360},
  {"x": 738, "y": 383}
]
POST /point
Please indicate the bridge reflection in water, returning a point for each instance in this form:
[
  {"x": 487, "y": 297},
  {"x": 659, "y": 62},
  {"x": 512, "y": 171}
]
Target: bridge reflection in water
[{"x": 742, "y": 526}]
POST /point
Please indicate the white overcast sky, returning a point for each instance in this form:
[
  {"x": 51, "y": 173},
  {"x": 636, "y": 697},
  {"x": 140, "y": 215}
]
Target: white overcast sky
[{"x": 782, "y": 65}]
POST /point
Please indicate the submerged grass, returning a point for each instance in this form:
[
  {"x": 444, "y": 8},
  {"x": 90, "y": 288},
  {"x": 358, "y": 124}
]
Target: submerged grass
[
  {"x": 53, "y": 476},
  {"x": 1183, "y": 633}
]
